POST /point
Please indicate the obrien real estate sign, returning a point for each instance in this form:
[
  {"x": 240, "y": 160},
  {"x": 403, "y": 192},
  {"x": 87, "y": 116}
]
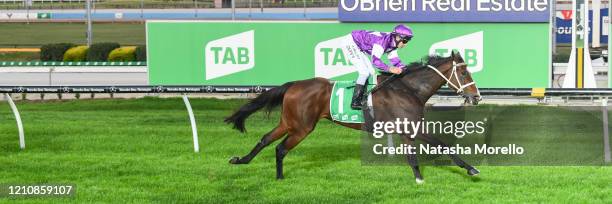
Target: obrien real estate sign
[{"x": 443, "y": 10}]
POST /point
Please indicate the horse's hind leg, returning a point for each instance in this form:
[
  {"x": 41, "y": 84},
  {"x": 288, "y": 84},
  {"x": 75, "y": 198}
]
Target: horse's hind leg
[
  {"x": 436, "y": 142},
  {"x": 268, "y": 138},
  {"x": 286, "y": 145}
]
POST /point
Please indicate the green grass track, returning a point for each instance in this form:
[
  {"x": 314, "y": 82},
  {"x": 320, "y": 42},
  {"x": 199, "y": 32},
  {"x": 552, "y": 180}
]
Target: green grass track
[{"x": 140, "y": 150}]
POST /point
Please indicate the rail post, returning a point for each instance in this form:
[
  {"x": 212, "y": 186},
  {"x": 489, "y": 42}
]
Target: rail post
[
  {"x": 194, "y": 128},
  {"x": 18, "y": 119}
]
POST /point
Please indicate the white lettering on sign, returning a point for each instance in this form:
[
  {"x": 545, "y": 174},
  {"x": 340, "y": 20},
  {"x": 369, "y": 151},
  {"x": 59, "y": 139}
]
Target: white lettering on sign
[
  {"x": 229, "y": 55},
  {"x": 445, "y": 5}
]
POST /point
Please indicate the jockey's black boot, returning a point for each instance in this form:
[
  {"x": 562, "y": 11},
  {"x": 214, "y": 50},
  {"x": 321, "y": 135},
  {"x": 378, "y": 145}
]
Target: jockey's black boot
[{"x": 357, "y": 96}]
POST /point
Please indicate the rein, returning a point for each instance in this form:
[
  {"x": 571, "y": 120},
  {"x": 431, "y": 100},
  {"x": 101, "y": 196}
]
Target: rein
[{"x": 384, "y": 83}]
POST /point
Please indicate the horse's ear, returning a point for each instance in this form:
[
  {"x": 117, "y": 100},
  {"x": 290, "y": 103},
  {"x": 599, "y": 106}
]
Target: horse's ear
[{"x": 453, "y": 54}]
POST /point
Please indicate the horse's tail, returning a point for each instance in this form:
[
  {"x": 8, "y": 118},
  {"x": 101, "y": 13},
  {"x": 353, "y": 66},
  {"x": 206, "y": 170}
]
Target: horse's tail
[{"x": 269, "y": 99}]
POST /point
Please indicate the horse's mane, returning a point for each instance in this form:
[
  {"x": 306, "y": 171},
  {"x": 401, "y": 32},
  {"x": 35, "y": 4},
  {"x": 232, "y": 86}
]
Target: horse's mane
[{"x": 433, "y": 60}]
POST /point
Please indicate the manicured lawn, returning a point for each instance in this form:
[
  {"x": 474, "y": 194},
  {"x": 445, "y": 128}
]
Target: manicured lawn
[
  {"x": 136, "y": 151},
  {"x": 36, "y": 34}
]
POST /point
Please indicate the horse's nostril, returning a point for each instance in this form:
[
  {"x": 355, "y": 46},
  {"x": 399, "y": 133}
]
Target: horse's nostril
[{"x": 469, "y": 100}]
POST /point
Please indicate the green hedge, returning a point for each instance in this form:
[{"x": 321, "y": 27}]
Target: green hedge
[
  {"x": 76, "y": 54},
  {"x": 141, "y": 53},
  {"x": 99, "y": 51},
  {"x": 54, "y": 52},
  {"x": 123, "y": 54}
]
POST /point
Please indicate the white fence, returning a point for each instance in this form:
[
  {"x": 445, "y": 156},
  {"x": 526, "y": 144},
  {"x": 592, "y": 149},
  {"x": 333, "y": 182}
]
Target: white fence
[
  {"x": 65, "y": 76},
  {"x": 600, "y": 70},
  {"x": 137, "y": 75}
]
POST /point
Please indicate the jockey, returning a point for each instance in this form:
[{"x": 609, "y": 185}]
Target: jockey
[{"x": 361, "y": 42}]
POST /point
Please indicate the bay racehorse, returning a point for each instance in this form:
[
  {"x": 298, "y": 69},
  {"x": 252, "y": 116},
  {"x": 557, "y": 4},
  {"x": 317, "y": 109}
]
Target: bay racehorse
[{"x": 305, "y": 102}]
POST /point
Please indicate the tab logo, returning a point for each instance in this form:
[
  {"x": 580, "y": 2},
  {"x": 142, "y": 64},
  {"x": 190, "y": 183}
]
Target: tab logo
[
  {"x": 470, "y": 46},
  {"x": 330, "y": 59},
  {"x": 230, "y": 55}
]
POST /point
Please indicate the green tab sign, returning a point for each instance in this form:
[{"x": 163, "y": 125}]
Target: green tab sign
[{"x": 270, "y": 53}]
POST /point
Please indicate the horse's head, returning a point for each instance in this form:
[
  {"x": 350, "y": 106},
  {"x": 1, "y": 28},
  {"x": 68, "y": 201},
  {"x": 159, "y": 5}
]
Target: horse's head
[
  {"x": 462, "y": 80},
  {"x": 459, "y": 79}
]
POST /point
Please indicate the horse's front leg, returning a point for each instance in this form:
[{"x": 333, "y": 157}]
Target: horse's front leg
[
  {"x": 412, "y": 160},
  {"x": 458, "y": 161}
]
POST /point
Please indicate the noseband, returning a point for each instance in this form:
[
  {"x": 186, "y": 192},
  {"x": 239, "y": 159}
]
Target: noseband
[{"x": 459, "y": 87}]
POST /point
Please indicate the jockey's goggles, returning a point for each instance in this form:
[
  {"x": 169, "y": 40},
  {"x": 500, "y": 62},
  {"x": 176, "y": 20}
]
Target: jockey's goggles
[{"x": 405, "y": 39}]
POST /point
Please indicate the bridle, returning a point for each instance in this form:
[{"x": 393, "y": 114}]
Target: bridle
[{"x": 458, "y": 87}]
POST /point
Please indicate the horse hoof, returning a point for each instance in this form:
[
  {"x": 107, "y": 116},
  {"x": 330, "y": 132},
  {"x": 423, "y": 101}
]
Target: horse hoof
[
  {"x": 280, "y": 178},
  {"x": 420, "y": 181},
  {"x": 234, "y": 160},
  {"x": 473, "y": 172}
]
